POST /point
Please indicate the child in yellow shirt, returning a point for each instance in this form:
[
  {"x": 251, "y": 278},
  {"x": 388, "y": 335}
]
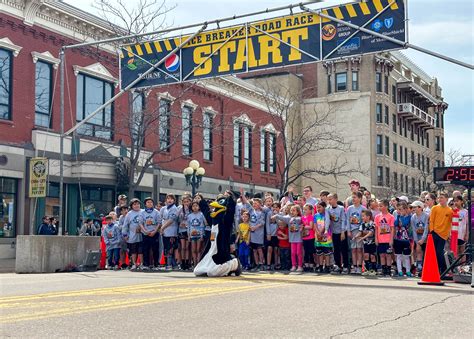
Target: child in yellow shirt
[{"x": 243, "y": 239}]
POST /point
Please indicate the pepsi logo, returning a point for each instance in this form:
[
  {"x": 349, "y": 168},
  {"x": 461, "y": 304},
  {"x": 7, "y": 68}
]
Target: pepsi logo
[{"x": 172, "y": 63}]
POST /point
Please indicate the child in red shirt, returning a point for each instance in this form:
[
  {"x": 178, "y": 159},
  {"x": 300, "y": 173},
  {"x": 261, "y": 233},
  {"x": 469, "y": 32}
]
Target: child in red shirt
[{"x": 284, "y": 244}]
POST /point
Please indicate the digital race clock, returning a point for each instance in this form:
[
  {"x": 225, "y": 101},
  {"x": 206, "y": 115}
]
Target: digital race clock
[{"x": 459, "y": 175}]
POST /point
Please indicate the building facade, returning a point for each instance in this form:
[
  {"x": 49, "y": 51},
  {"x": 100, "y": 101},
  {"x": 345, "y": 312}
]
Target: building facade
[
  {"x": 388, "y": 111},
  {"x": 223, "y": 123}
]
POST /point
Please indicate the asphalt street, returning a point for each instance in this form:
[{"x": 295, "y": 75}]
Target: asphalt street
[{"x": 127, "y": 304}]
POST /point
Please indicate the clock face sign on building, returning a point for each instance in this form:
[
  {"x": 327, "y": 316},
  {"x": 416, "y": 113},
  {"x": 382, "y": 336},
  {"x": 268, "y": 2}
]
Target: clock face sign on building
[{"x": 459, "y": 175}]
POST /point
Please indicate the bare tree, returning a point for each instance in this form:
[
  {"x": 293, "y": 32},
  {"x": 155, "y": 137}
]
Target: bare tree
[
  {"x": 306, "y": 133},
  {"x": 454, "y": 157}
]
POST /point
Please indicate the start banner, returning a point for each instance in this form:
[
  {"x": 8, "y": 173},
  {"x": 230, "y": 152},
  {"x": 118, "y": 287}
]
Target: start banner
[{"x": 288, "y": 40}]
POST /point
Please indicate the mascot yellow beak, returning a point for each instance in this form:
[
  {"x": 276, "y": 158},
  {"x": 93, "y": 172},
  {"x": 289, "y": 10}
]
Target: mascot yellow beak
[{"x": 218, "y": 208}]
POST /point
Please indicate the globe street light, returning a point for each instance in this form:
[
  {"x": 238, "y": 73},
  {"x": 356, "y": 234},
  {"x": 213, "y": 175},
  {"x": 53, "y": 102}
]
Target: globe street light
[{"x": 193, "y": 174}]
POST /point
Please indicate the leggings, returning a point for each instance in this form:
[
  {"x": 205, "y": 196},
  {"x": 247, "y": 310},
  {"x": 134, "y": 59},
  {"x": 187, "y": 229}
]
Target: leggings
[
  {"x": 308, "y": 246},
  {"x": 297, "y": 254}
]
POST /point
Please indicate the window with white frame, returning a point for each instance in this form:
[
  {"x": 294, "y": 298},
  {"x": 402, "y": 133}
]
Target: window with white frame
[
  {"x": 187, "y": 118},
  {"x": 136, "y": 123},
  {"x": 5, "y": 84},
  {"x": 341, "y": 82},
  {"x": 164, "y": 125},
  {"x": 243, "y": 142},
  {"x": 208, "y": 118},
  {"x": 43, "y": 93},
  {"x": 268, "y": 150}
]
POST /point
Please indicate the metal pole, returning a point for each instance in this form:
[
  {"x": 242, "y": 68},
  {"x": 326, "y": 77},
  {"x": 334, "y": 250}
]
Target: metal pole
[
  {"x": 234, "y": 17},
  {"x": 133, "y": 83},
  {"x": 396, "y": 41},
  {"x": 61, "y": 144},
  {"x": 193, "y": 184}
]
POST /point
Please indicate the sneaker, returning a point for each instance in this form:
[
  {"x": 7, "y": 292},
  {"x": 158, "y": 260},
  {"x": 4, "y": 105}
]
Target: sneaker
[
  {"x": 293, "y": 269},
  {"x": 168, "y": 268},
  {"x": 345, "y": 270},
  {"x": 326, "y": 270},
  {"x": 372, "y": 273},
  {"x": 365, "y": 273},
  {"x": 409, "y": 275},
  {"x": 300, "y": 269},
  {"x": 145, "y": 268},
  {"x": 336, "y": 269},
  {"x": 133, "y": 268},
  {"x": 116, "y": 268},
  {"x": 321, "y": 269},
  {"x": 400, "y": 274}
]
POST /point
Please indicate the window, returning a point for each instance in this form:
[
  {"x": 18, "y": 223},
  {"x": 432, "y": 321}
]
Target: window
[
  {"x": 401, "y": 183},
  {"x": 423, "y": 163},
  {"x": 419, "y": 185},
  {"x": 422, "y": 138},
  {"x": 164, "y": 125},
  {"x": 437, "y": 119},
  {"x": 242, "y": 144},
  {"x": 395, "y": 180},
  {"x": 387, "y": 115},
  {"x": 5, "y": 84},
  {"x": 442, "y": 144},
  {"x": 248, "y": 147},
  {"x": 263, "y": 151},
  {"x": 427, "y": 140},
  {"x": 401, "y": 154},
  {"x": 394, "y": 123},
  {"x": 341, "y": 82},
  {"x": 400, "y": 126},
  {"x": 387, "y": 176},
  {"x": 355, "y": 81},
  {"x": 406, "y": 156},
  {"x": 405, "y": 128},
  {"x": 136, "y": 125},
  {"x": 442, "y": 120},
  {"x": 387, "y": 146},
  {"x": 97, "y": 201},
  {"x": 428, "y": 162},
  {"x": 378, "y": 82},
  {"x": 394, "y": 94},
  {"x": 8, "y": 206},
  {"x": 438, "y": 163},
  {"x": 413, "y": 159},
  {"x": 378, "y": 113},
  {"x": 413, "y": 188},
  {"x": 380, "y": 175},
  {"x": 207, "y": 136},
  {"x": 419, "y": 161},
  {"x": 43, "y": 76},
  {"x": 437, "y": 144},
  {"x": 187, "y": 118},
  {"x": 412, "y": 133},
  {"x": 385, "y": 84},
  {"x": 329, "y": 84},
  {"x": 395, "y": 152},
  {"x": 418, "y": 135},
  {"x": 238, "y": 137},
  {"x": 272, "y": 148},
  {"x": 91, "y": 94},
  {"x": 379, "y": 144},
  {"x": 406, "y": 183}
]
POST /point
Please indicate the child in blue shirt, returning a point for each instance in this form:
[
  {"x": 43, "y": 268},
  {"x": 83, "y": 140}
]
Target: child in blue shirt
[{"x": 112, "y": 239}]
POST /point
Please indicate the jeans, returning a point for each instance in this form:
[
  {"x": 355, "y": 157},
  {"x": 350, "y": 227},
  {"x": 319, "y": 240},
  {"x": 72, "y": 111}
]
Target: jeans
[
  {"x": 113, "y": 257},
  {"x": 297, "y": 254},
  {"x": 244, "y": 251},
  {"x": 439, "y": 244},
  {"x": 285, "y": 258},
  {"x": 153, "y": 244},
  {"x": 340, "y": 247}
]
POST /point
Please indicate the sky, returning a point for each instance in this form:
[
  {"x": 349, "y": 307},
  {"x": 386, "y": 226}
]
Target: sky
[{"x": 442, "y": 26}]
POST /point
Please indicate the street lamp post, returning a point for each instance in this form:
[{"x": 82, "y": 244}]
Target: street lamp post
[{"x": 193, "y": 174}]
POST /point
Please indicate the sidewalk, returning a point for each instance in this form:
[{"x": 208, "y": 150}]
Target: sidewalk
[{"x": 7, "y": 265}]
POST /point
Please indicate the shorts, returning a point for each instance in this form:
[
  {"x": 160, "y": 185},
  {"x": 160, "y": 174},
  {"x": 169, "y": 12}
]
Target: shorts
[
  {"x": 401, "y": 247},
  {"x": 382, "y": 248},
  {"x": 170, "y": 243},
  {"x": 272, "y": 243},
  {"x": 183, "y": 235},
  {"x": 356, "y": 243},
  {"x": 135, "y": 248},
  {"x": 461, "y": 242},
  {"x": 323, "y": 250},
  {"x": 255, "y": 246},
  {"x": 370, "y": 248}
]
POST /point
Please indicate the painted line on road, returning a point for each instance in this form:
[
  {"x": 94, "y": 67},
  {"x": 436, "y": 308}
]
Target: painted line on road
[{"x": 129, "y": 303}]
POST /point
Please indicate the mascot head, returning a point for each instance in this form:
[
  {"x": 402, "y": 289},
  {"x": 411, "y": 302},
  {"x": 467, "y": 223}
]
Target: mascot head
[{"x": 219, "y": 205}]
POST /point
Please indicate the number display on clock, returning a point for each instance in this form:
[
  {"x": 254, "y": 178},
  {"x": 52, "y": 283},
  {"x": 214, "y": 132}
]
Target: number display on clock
[{"x": 462, "y": 175}]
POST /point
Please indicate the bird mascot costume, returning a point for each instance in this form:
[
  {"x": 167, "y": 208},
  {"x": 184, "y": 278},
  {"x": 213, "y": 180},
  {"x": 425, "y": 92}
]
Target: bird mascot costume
[{"x": 217, "y": 260}]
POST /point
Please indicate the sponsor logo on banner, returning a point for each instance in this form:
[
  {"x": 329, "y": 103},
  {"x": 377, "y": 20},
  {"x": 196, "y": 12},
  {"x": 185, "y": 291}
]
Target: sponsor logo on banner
[
  {"x": 377, "y": 25},
  {"x": 388, "y": 22},
  {"x": 172, "y": 63},
  {"x": 38, "y": 177},
  {"x": 329, "y": 32},
  {"x": 350, "y": 46},
  {"x": 131, "y": 64}
]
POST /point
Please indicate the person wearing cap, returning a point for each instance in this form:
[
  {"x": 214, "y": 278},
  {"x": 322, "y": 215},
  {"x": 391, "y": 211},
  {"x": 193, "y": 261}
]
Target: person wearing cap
[
  {"x": 132, "y": 234},
  {"x": 122, "y": 201},
  {"x": 419, "y": 227},
  {"x": 151, "y": 221}
]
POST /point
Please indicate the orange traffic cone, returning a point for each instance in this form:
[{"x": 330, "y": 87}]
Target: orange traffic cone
[
  {"x": 163, "y": 260},
  {"x": 430, "y": 273}
]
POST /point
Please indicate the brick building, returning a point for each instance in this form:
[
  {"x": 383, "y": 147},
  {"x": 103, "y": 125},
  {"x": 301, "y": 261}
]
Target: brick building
[{"x": 240, "y": 151}]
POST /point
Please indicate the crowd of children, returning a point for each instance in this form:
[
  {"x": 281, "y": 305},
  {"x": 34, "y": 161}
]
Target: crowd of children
[{"x": 296, "y": 233}]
